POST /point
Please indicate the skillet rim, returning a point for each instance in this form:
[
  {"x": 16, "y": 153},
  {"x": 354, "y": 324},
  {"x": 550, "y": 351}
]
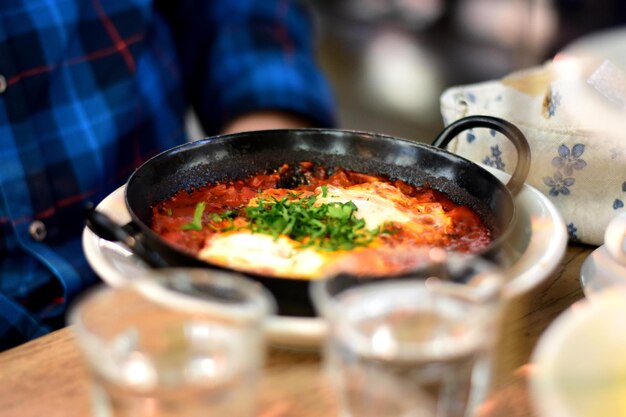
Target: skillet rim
[{"x": 191, "y": 260}]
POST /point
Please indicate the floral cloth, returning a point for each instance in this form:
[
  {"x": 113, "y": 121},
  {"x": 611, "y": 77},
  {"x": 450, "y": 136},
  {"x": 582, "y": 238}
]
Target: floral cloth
[{"x": 573, "y": 113}]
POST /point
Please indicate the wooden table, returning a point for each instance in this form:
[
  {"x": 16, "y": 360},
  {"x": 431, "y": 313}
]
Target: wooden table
[{"x": 47, "y": 377}]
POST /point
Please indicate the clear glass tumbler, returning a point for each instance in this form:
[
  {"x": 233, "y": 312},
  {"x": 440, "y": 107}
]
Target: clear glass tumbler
[
  {"x": 419, "y": 345},
  {"x": 181, "y": 342}
]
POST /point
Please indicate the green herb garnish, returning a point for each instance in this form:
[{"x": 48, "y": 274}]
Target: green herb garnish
[
  {"x": 196, "y": 223},
  {"x": 331, "y": 226},
  {"x": 228, "y": 214},
  {"x": 169, "y": 211}
]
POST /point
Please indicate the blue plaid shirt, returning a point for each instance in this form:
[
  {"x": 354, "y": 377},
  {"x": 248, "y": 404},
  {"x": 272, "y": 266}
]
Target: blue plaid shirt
[{"x": 89, "y": 89}]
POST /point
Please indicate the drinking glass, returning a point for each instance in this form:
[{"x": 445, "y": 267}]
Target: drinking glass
[
  {"x": 181, "y": 342},
  {"x": 418, "y": 345}
]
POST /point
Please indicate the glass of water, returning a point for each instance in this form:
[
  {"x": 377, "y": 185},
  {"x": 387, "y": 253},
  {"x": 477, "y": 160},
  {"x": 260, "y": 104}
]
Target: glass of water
[
  {"x": 413, "y": 346},
  {"x": 181, "y": 342}
]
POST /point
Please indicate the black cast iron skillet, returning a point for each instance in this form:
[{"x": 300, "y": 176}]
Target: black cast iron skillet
[{"x": 239, "y": 155}]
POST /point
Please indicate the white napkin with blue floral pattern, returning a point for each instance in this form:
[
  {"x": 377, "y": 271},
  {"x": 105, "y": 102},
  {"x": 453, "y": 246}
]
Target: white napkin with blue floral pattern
[{"x": 573, "y": 113}]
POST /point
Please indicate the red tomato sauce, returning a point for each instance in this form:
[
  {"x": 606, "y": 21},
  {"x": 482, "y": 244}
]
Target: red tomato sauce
[{"x": 468, "y": 233}]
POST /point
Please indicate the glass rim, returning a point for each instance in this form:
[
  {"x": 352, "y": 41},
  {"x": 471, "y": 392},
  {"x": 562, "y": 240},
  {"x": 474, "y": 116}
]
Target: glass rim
[
  {"x": 256, "y": 303},
  {"x": 324, "y": 300}
]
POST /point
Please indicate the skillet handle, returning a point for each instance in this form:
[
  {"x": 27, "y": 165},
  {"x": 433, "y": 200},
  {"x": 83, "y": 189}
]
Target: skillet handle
[
  {"x": 104, "y": 227},
  {"x": 509, "y": 130}
]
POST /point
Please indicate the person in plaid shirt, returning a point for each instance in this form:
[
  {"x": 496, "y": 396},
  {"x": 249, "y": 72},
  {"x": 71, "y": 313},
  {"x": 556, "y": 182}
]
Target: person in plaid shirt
[{"x": 89, "y": 89}]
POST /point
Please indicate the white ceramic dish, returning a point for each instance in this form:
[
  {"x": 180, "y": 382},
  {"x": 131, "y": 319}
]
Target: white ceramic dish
[
  {"x": 606, "y": 266},
  {"x": 535, "y": 248},
  {"x": 599, "y": 272},
  {"x": 579, "y": 363}
]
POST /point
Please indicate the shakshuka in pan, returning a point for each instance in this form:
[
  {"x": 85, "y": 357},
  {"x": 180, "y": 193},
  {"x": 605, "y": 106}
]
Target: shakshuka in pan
[{"x": 301, "y": 220}]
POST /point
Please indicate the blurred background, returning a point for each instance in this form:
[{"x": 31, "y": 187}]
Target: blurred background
[{"x": 389, "y": 60}]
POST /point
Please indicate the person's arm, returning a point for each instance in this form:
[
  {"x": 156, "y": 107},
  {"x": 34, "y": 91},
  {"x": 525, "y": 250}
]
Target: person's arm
[
  {"x": 249, "y": 64},
  {"x": 262, "y": 120}
]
